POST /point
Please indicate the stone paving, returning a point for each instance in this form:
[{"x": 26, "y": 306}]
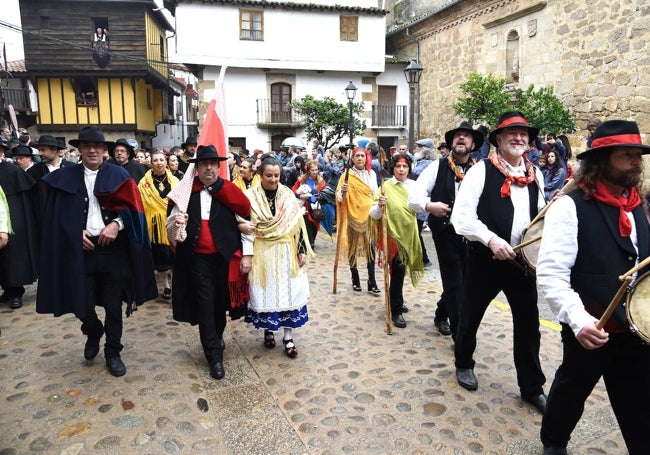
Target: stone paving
[{"x": 352, "y": 388}]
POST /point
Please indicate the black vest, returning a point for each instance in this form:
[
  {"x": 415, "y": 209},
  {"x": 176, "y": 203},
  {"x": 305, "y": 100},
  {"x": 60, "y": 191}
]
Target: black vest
[
  {"x": 497, "y": 212},
  {"x": 603, "y": 254},
  {"x": 223, "y": 226},
  {"x": 443, "y": 191}
]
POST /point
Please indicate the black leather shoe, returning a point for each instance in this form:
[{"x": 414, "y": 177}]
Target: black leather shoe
[
  {"x": 539, "y": 401},
  {"x": 116, "y": 366},
  {"x": 16, "y": 303},
  {"x": 373, "y": 289},
  {"x": 405, "y": 309},
  {"x": 443, "y": 326},
  {"x": 466, "y": 378},
  {"x": 555, "y": 450},
  {"x": 92, "y": 348},
  {"x": 217, "y": 371},
  {"x": 398, "y": 321}
]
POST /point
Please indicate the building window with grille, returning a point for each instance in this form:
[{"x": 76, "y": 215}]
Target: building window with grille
[
  {"x": 280, "y": 102},
  {"x": 349, "y": 28},
  {"x": 251, "y": 25}
]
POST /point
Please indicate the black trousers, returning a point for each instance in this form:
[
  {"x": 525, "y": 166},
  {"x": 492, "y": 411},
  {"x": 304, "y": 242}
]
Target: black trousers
[
  {"x": 425, "y": 256},
  {"x": 624, "y": 364},
  {"x": 452, "y": 250},
  {"x": 398, "y": 271},
  {"x": 210, "y": 283},
  {"x": 311, "y": 231},
  {"x": 485, "y": 278},
  {"x": 104, "y": 277}
]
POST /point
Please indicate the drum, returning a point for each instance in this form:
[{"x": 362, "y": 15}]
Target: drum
[
  {"x": 637, "y": 307},
  {"x": 530, "y": 252}
]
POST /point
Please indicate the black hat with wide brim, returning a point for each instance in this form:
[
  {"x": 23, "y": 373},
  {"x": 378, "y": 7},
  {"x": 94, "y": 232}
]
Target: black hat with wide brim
[
  {"x": 510, "y": 119},
  {"x": 477, "y": 136},
  {"x": 189, "y": 140},
  {"x": 48, "y": 141},
  {"x": 614, "y": 134},
  {"x": 207, "y": 152},
  {"x": 90, "y": 133},
  {"x": 124, "y": 143}
]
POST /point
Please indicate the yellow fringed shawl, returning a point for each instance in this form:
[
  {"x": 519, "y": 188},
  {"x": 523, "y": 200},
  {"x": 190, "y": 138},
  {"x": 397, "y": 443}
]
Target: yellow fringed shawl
[
  {"x": 241, "y": 184},
  {"x": 402, "y": 228},
  {"x": 155, "y": 207},
  {"x": 352, "y": 224},
  {"x": 284, "y": 228}
]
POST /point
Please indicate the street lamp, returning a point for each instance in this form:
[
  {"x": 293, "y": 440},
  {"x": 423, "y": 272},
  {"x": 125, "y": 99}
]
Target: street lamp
[
  {"x": 412, "y": 72},
  {"x": 350, "y": 92}
]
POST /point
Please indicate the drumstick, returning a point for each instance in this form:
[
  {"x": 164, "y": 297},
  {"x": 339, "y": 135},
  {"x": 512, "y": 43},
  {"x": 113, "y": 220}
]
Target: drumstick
[
  {"x": 637, "y": 267},
  {"x": 568, "y": 187},
  {"x": 527, "y": 242},
  {"x": 614, "y": 303}
]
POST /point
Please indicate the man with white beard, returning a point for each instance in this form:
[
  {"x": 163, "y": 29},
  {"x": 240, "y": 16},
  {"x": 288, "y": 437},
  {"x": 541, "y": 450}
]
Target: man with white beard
[{"x": 496, "y": 202}]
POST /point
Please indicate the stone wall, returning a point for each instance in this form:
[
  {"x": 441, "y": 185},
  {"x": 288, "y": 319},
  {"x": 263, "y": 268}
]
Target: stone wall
[{"x": 595, "y": 54}]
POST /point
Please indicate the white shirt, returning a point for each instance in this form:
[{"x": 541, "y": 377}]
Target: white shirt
[
  {"x": 557, "y": 255},
  {"x": 94, "y": 221},
  {"x": 464, "y": 216},
  {"x": 375, "y": 210}
]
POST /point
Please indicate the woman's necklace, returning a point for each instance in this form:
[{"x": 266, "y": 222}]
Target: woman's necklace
[
  {"x": 161, "y": 181},
  {"x": 270, "y": 199}
]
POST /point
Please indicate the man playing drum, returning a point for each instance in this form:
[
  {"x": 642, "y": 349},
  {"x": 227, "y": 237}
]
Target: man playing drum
[
  {"x": 497, "y": 200},
  {"x": 592, "y": 236}
]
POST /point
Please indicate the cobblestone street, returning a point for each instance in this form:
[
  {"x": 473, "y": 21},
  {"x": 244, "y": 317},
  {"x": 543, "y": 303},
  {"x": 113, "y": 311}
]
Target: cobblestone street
[{"x": 352, "y": 388}]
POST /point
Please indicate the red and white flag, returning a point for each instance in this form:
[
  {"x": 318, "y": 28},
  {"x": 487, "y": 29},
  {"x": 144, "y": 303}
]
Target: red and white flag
[{"x": 213, "y": 131}]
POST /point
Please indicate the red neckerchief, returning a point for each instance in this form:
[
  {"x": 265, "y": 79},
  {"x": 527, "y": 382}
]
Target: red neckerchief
[
  {"x": 624, "y": 204},
  {"x": 500, "y": 163}
]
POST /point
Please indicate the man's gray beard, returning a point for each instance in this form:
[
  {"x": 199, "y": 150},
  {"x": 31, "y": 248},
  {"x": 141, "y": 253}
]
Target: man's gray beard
[{"x": 623, "y": 179}]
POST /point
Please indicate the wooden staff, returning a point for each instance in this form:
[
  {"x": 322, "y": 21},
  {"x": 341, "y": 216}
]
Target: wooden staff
[
  {"x": 384, "y": 239},
  {"x": 614, "y": 303},
  {"x": 338, "y": 230}
]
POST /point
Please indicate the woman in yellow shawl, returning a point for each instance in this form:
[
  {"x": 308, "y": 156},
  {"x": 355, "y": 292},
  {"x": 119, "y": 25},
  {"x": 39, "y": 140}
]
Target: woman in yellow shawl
[
  {"x": 154, "y": 187},
  {"x": 404, "y": 250},
  {"x": 247, "y": 176},
  {"x": 275, "y": 254}
]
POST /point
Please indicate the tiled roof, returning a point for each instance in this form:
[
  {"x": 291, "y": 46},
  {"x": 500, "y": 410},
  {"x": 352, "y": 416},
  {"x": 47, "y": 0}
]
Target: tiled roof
[
  {"x": 265, "y": 4},
  {"x": 16, "y": 66}
]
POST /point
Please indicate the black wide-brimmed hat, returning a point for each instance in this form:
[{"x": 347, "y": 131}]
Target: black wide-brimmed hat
[
  {"x": 477, "y": 136},
  {"x": 207, "y": 152},
  {"x": 509, "y": 119},
  {"x": 124, "y": 143},
  {"x": 189, "y": 140},
  {"x": 90, "y": 133},
  {"x": 613, "y": 134},
  {"x": 48, "y": 141},
  {"x": 22, "y": 150}
]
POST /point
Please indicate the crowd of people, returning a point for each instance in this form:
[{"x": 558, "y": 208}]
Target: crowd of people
[{"x": 230, "y": 234}]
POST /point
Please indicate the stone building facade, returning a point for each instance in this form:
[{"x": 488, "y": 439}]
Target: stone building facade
[{"x": 594, "y": 53}]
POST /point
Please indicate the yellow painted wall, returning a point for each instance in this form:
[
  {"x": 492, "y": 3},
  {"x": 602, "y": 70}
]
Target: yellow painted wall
[
  {"x": 153, "y": 35},
  {"x": 120, "y": 101}
]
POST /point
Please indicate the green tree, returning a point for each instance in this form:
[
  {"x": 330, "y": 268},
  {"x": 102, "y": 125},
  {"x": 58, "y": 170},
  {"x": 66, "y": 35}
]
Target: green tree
[
  {"x": 326, "y": 120},
  {"x": 544, "y": 110},
  {"x": 485, "y": 98}
]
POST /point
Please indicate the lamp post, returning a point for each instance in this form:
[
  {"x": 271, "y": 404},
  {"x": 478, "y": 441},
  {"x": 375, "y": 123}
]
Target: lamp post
[
  {"x": 412, "y": 72},
  {"x": 350, "y": 92}
]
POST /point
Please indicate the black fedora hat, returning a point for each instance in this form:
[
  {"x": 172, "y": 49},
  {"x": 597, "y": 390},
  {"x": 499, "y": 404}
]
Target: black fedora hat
[
  {"x": 207, "y": 152},
  {"x": 124, "y": 143},
  {"x": 613, "y": 134},
  {"x": 48, "y": 141},
  {"x": 189, "y": 140},
  {"x": 90, "y": 133},
  {"x": 22, "y": 150},
  {"x": 477, "y": 136},
  {"x": 509, "y": 119}
]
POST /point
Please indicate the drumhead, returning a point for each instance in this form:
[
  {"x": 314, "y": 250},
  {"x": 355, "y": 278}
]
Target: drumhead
[
  {"x": 637, "y": 307},
  {"x": 530, "y": 252}
]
